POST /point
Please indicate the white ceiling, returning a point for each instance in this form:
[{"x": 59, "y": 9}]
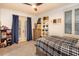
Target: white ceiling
[{"x": 28, "y": 9}]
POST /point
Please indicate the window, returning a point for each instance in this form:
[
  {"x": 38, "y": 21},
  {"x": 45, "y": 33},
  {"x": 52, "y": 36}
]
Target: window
[
  {"x": 77, "y": 21},
  {"x": 68, "y": 22}
]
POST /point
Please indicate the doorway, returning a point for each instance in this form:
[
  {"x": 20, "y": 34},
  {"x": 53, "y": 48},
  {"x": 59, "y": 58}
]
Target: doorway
[
  {"x": 22, "y": 23},
  {"x": 23, "y": 29}
]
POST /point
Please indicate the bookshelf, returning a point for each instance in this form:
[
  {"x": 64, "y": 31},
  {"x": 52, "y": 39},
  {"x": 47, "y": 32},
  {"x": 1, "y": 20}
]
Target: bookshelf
[
  {"x": 45, "y": 26},
  {"x": 6, "y": 37}
]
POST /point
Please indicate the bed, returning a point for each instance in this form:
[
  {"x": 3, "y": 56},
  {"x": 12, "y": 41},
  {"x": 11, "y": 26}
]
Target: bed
[{"x": 56, "y": 46}]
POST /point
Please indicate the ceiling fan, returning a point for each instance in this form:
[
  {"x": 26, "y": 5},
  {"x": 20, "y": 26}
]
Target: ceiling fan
[
  {"x": 37, "y": 4},
  {"x": 34, "y": 5}
]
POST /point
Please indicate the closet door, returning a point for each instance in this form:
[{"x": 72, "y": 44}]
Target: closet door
[
  {"x": 22, "y": 20},
  {"x": 29, "y": 29}
]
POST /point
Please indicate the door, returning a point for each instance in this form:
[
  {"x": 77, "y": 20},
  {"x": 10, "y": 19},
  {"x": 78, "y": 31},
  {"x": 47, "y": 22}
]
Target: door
[
  {"x": 22, "y": 22},
  {"x": 29, "y": 29}
]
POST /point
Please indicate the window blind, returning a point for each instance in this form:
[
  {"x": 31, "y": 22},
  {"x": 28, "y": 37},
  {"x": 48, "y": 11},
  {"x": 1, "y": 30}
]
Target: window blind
[
  {"x": 77, "y": 21},
  {"x": 68, "y": 22}
]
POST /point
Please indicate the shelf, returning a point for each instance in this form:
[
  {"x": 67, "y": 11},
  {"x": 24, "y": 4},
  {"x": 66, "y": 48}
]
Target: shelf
[{"x": 45, "y": 26}]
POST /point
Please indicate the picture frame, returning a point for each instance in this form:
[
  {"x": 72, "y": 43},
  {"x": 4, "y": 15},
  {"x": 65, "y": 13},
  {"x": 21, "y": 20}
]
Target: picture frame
[
  {"x": 54, "y": 21},
  {"x": 59, "y": 20}
]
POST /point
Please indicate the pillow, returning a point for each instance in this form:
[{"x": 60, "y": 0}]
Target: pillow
[
  {"x": 71, "y": 40},
  {"x": 77, "y": 44}
]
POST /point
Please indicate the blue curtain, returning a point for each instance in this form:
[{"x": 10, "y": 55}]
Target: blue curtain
[
  {"x": 15, "y": 28},
  {"x": 29, "y": 29}
]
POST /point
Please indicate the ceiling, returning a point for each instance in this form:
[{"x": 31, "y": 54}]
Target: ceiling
[{"x": 28, "y": 9}]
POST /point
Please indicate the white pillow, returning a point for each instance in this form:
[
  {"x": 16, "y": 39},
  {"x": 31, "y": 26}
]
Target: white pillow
[{"x": 77, "y": 44}]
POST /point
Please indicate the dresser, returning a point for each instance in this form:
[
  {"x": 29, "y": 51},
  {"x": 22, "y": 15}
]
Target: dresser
[{"x": 36, "y": 33}]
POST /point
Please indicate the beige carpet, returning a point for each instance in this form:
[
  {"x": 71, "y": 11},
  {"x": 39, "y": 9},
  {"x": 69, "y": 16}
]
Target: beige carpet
[{"x": 21, "y": 49}]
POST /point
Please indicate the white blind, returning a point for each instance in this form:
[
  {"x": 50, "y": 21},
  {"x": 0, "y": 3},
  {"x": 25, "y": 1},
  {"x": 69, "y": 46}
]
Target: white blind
[
  {"x": 68, "y": 22},
  {"x": 77, "y": 21}
]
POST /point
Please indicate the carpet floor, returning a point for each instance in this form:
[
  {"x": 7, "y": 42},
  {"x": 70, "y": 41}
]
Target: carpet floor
[{"x": 20, "y": 49}]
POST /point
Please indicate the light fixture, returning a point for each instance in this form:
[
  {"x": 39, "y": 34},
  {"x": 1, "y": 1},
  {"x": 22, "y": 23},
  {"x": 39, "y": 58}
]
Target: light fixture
[{"x": 34, "y": 7}]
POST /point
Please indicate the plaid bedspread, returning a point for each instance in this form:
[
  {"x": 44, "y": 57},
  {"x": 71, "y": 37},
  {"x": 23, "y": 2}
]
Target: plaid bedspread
[{"x": 54, "y": 46}]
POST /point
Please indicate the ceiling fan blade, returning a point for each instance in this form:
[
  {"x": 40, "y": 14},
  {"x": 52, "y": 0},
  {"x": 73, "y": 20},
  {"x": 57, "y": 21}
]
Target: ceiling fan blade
[
  {"x": 37, "y": 4},
  {"x": 28, "y": 4}
]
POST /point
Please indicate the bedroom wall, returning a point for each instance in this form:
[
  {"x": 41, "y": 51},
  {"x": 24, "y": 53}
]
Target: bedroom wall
[
  {"x": 54, "y": 29},
  {"x": 6, "y": 16},
  {"x": 58, "y": 29}
]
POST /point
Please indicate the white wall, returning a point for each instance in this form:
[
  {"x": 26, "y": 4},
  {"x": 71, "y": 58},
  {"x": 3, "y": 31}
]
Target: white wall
[
  {"x": 55, "y": 29},
  {"x": 58, "y": 29},
  {"x": 6, "y": 16}
]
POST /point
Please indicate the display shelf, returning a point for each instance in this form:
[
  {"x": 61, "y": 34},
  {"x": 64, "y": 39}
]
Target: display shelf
[
  {"x": 6, "y": 37},
  {"x": 45, "y": 26}
]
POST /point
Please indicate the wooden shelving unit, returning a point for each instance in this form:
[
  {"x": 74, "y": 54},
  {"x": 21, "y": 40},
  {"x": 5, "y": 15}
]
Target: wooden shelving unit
[
  {"x": 6, "y": 37},
  {"x": 41, "y": 28},
  {"x": 45, "y": 26},
  {"x": 37, "y": 30}
]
